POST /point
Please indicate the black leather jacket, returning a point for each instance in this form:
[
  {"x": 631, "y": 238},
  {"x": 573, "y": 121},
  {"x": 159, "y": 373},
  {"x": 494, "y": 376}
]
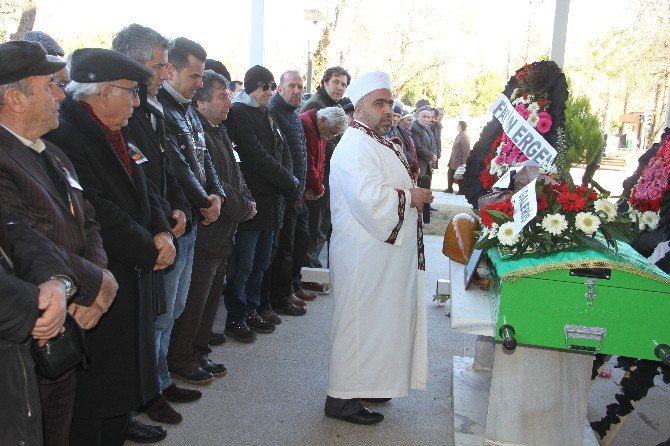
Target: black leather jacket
[{"x": 190, "y": 161}]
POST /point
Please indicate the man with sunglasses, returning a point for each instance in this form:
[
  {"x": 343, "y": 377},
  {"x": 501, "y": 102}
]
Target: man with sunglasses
[
  {"x": 191, "y": 164},
  {"x": 267, "y": 167}
]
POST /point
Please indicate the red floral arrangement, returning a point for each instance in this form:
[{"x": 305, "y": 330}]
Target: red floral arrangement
[{"x": 645, "y": 198}]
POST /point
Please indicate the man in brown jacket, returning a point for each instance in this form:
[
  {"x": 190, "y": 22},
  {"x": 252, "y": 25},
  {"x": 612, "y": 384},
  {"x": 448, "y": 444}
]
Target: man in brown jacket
[{"x": 459, "y": 155}]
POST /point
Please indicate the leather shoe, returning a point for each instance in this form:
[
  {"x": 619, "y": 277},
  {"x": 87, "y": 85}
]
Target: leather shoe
[
  {"x": 194, "y": 376},
  {"x": 160, "y": 410},
  {"x": 291, "y": 310},
  {"x": 364, "y": 416},
  {"x": 212, "y": 367},
  {"x": 216, "y": 339},
  {"x": 259, "y": 325},
  {"x": 175, "y": 394},
  {"x": 313, "y": 286},
  {"x": 304, "y": 295},
  {"x": 138, "y": 432},
  {"x": 240, "y": 332},
  {"x": 295, "y": 300},
  {"x": 270, "y": 316},
  {"x": 376, "y": 400}
]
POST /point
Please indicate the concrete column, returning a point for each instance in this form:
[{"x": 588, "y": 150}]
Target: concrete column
[
  {"x": 667, "y": 111},
  {"x": 257, "y": 20},
  {"x": 560, "y": 31}
]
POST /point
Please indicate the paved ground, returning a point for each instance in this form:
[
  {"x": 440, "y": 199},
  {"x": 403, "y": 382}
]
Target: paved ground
[{"x": 275, "y": 388}]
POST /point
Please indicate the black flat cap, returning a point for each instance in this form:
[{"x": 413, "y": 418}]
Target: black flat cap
[
  {"x": 49, "y": 44},
  {"x": 20, "y": 59},
  {"x": 90, "y": 65}
]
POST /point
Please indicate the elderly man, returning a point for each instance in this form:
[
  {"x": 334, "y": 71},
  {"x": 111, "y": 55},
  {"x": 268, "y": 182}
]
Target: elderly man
[
  {"x": 424, "y": 140},
  {"x": 291, "y": 240},
  {"x": 378, "y": 345},
  {"x": 329, "y": 94},
  {"x": 39, "y": 182},
  {"x": 147, "y": 129},
  {"x": 190, "y": 162},
  {"x": 213, "y": 246},
  {"x": 136, "y": 236},
  {"x": 266, "y": 164},
  {"x": 399, "y": 135}
]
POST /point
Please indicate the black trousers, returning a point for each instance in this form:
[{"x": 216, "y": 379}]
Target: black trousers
[
  {"x": 291, "y": 247},
  {"x": 319, "y": 228},
  {"x": 99, "y": 431},
  {"x": 57, "y": 401},
  {"x": 191, "y": 330},
  {"x": 339, "y": 407}
]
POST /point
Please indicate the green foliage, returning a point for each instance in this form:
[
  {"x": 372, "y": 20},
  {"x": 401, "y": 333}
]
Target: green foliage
[
  {"x": 487, "y": 88},
  {"x": 582, "y": 131}
]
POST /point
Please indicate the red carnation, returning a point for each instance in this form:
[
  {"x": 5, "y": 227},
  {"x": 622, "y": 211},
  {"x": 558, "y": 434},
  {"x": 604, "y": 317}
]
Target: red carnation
[
  {"x": 486, "y": 218},
  {"x": 572, "y": 201},
  {"x": 542, "y": 203}
]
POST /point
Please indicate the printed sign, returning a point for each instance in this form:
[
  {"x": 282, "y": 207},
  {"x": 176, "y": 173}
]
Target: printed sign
[
  {"x": 505, "y": 180},
  {"x": 522, "y": 134},
  {"x": 525, "y": 206}
]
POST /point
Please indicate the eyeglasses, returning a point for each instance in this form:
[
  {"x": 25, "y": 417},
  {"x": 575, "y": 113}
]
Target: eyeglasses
[
  {"x": 268, "y": 86},
  {"x": 134, "y": 92},
  {"x": 62, "y": 84}
]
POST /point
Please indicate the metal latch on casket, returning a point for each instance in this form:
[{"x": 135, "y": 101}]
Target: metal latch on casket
[{"x": 577, "y": 337}]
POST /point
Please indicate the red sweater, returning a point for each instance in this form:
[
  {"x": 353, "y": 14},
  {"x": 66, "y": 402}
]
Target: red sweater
[{"x": 316, "y": 152}]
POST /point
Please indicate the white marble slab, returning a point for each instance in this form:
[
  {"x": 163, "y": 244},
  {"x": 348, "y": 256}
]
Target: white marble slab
[
  {"x": 471, "y": 397},
  {"x": 471, "y": 309},
  {"x": 316, "y": 275}
]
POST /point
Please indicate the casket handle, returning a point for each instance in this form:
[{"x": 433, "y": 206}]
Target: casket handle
[
  {"x": 662, "y": 352},
  {"x": 507, "y": 333}
]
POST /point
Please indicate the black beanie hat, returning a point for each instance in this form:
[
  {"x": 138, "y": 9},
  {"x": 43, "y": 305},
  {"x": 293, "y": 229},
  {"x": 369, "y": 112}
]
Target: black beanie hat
[
  {"x": 255, "y": 77},
  {"x": 217, "y": 67}
]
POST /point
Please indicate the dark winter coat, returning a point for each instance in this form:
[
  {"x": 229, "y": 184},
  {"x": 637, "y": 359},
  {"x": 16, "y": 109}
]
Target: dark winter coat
[
  {"x": 265, "y": 160},
  {"x": 289, "y": 123},
  {"x": 189, "y": 159},
  {"x": 121, "y": 375},
  {"x": 424, "y": 143},
  {"x": 238, "y": 198},
  {"x": 35, "y": 260}
]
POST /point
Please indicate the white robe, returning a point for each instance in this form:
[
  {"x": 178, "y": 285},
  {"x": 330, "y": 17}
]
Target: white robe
[{"x": 378, "y": 333}]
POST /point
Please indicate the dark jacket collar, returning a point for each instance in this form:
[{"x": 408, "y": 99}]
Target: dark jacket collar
[
  {"x": 321, "y": 92},
  {"x": 279, "y": 103}
]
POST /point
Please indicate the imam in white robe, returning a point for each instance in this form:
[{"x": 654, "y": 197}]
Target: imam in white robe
[{"x": 378, "y": 332}]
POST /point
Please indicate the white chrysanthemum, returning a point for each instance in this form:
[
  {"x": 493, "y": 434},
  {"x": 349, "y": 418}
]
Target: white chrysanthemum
[
  {"x": 554, "y": 224},
  {"x": 515, "y": 93},
  {"x": 533, "y": 107},
  {"x": 606, "y": 207},
  {"x": 587, "y": 222},
  {"x": 650, "y": 219},
  {"x": 634, "y": 215},
  {"x": 506, "y": 234},
  {"x": 533, "y": 119},
  {"x": 517, "y": 101},
  {"x": 497, "y": 169},
  {"x": 492, "y": 231},
  {"x": 525, "y": 101}
]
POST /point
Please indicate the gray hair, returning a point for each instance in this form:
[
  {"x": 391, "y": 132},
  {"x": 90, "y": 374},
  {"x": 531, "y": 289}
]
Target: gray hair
[
  {"x": 210, "y": 79},
  {"x": 283, "y": 76},
  {"x": 138, "y": 42},
  {"x": 81, "y": 91},
  {"x": 6, "y": 87},
  {"x": 335, "y": 117}
]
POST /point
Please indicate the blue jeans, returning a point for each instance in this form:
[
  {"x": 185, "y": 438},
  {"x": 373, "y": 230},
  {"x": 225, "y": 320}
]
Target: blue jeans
[
  {"x": 251, "y": 258},
  {"x": 177, "y": 282}
]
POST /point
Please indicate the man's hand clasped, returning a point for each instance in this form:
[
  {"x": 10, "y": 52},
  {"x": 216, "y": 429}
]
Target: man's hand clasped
[
  {"x": 166, "y": 250},
  {"x": 420, "y": 196},
  {"x": 211, "y": 214}
]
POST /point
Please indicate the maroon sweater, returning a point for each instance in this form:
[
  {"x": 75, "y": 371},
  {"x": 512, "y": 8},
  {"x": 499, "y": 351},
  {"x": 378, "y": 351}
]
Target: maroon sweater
[{"x": 316, "y": 152}]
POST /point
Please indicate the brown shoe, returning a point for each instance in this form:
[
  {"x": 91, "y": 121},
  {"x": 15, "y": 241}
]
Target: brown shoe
[
  {"x": 313, "y": 286},
  {"x": 270, "y": 316},
  {"x": 291, "y": 310},
  {"x": 160, "y": 410},
  {"x": 305, "y": 295},
  {"x": 295, "y": 300}
]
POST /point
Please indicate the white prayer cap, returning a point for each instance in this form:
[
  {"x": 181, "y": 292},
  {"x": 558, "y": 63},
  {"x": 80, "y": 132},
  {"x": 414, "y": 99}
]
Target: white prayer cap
[{"x": 367, "y": 83}]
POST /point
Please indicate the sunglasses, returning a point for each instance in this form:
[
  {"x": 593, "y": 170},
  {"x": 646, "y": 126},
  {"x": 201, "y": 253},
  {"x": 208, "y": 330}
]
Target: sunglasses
[{"x": 268, "y": 86}]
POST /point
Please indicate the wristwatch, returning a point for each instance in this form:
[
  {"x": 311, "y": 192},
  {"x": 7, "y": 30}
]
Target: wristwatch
[{"x": 70, "y": 287}]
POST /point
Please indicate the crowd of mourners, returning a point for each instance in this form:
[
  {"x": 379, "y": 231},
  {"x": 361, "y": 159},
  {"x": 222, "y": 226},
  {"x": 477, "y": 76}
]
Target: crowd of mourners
[{"x": 138, "y": 186}]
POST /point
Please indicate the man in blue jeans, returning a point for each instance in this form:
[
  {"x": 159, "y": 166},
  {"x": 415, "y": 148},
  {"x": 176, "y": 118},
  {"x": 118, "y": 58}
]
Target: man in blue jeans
[
  {"x": 192, "y": 166},
  {"x": 267, "y": 167}
]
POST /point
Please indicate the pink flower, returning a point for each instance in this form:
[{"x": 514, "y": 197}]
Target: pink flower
[
  {"x": 525, "y": 113},
  {"x": 543, "y": 125},
  {"x": 520, "y": 108}
]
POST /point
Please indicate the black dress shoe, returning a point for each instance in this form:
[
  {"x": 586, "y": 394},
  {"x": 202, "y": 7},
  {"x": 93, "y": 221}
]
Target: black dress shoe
[
  {"x": 212, "y": 367},
  {"x": 240, "y": 332},
  {"x": 364, "y": 416},
  {"x": 138, "y": 432},
  {"x": 259, "y": 325},
  {"x": 376, "y": 400},
  {"x": 216, "y": 339},
  {"x": 195, "y": 376},
  {"x": 160, "y": 410},
  {"x": 175, "y": 394}
]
